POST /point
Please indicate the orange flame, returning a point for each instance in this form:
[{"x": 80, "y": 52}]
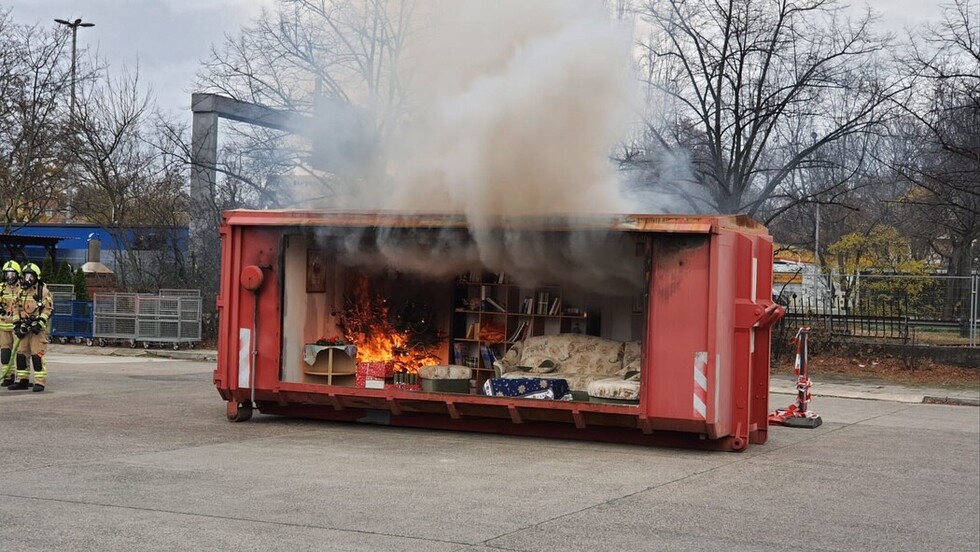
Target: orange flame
[{"x": 368, "y": 326}]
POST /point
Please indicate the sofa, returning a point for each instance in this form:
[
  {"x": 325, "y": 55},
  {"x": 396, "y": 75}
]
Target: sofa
[{"x": 597, "y": 369}]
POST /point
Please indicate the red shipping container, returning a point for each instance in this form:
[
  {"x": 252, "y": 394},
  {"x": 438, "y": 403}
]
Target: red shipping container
[
  {"x": 380, "y": 370},
  {"x": 702, "y": 314}
]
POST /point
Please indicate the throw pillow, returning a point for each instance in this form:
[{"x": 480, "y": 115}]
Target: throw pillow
[
  {"x": 632, "y": 375},
  {"x": 546, "y": 366}
]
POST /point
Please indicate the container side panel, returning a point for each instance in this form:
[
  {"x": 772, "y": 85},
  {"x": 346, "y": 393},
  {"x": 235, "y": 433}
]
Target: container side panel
[
  {"x": 266, "y": 255},
  {"x": 720, "y": 370},
  {"x": 252, "y": 247},
  {"x": 763, "y": 343},
  {"x": 226, "y": 374},
  {"x": 677, "y": 331},
  {"x": 746, "y": 280}
]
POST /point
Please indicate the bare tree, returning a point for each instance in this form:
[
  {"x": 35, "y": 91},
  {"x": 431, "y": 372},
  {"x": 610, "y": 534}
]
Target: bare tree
[
  {"x": 943, "y": 123},
  {"x": 753, "y": 91},
  {"x": 130, "y": 181},
  {"x": 33, "y": 146},
  {"x": 316, "y": 58}
]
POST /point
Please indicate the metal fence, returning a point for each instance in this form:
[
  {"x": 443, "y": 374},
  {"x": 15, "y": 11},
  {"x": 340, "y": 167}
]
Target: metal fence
[{"x": 928, "y": 310}]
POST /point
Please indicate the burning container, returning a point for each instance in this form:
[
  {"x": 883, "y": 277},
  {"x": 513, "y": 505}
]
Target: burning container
[{"x": 639, "y": 329}]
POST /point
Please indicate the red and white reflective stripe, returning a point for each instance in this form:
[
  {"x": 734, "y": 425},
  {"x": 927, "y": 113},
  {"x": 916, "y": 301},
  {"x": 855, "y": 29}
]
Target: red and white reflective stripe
[{"x": 701, "y": 384}]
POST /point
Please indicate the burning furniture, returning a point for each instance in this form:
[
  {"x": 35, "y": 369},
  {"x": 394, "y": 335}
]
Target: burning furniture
[{"x": 692, "y": 290}]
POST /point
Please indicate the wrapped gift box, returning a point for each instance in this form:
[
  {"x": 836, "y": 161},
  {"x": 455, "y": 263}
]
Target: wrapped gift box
[
  {"x": 377, "y": 371},
  {"x": 528, "y": 388}
]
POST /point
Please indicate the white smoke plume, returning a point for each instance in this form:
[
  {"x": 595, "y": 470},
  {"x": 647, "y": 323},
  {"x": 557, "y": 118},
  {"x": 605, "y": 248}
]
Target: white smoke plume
[{"x": 516, "y": 106}]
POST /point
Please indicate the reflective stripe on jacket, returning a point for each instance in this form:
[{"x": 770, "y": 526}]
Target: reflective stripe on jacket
[{"x": 9, "y": 297}]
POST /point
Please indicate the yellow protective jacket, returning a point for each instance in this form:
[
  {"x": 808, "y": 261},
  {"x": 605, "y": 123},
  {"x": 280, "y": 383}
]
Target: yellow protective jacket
[
  {"x": 9, "y": 298},
  {"x": 35, "y": 304}
]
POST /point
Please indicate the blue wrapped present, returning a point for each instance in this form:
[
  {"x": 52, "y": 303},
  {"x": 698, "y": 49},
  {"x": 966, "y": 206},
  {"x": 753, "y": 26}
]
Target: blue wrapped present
[{"x": 528, "y": 388}]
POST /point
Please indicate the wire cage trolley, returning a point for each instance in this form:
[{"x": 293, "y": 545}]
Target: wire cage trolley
[
  {"x": 172, "y": 317},
  {"x": 168, "y": 319},
  {"x": 71, "y": 320},
  {"x": 114, "y": 318}
]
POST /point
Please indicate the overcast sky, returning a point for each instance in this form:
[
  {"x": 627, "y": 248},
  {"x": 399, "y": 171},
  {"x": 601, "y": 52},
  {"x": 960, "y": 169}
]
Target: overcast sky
[{"x": 168, "y": 38}]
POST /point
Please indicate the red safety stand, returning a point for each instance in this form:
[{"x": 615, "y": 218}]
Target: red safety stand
[{"x": 799, "y": 413}]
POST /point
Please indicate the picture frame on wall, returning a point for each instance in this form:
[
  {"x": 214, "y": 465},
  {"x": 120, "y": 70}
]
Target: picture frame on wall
[{"x": 316, "y": 272}]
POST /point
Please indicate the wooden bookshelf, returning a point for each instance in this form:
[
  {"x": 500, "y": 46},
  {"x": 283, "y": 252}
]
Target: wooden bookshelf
[{"x": 520, "y": 312}]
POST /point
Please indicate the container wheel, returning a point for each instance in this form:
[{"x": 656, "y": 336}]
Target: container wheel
[
  {"x": 62, "y": 340},
  {"x": 238, "y": 412},
  {"x": 176, "y": 346},
  {"x": 89, "y": 342},
  {"x": 132, "y": 343},
  {"x": 102, "y": 342},
  {"x": 146, "y": 345}
]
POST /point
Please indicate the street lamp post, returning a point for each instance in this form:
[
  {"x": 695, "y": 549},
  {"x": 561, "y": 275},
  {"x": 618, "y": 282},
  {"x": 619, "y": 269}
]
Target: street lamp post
[{"x": 73, "y": 25}]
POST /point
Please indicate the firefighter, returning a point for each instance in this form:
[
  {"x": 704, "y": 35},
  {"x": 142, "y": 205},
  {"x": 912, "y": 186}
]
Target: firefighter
[
  {"x": 9, "y": 296},
  {"x": 31, "y": 326}
]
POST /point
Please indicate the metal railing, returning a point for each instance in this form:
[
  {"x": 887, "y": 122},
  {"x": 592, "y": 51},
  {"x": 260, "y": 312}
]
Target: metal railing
[{"x": 929, "y": 310}]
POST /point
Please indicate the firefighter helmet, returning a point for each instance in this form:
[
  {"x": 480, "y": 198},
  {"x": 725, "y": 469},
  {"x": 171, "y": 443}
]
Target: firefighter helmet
[
  {"x": 30, "y": 274},
  {"x": 11, "y": 272}
]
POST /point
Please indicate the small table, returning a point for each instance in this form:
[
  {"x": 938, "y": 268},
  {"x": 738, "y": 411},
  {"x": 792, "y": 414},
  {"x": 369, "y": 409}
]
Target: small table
[
  {"x": 528, "y": 388},
  {"x": 330, "y": 365}
]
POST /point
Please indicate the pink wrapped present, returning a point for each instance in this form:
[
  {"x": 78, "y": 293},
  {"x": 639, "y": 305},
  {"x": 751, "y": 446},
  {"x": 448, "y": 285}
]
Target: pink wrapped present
[{"x": 380, "y": 370}]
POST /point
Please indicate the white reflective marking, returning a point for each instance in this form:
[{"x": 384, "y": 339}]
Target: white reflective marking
[
  {"x": 244, "y": 350},
  {"x": 755, "y": 277},
  {"x": 700, "y": 407},
  {"x": 701, "y": 380}
]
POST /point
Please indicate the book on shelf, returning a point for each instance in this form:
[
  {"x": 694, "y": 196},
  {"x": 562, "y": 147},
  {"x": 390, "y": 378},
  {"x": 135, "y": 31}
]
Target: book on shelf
[
  {"x": 555, "y": 306},
  {"x": 543, "y": 303},
  {"x": 473, "y": 331},
  {"x": 488, "y": 356},
  {"x": 516, "y": 336},
  {"x": 528, "y": 305},
  {"x": 459, "y": 350},
  {"x": 490, "y": 301}
]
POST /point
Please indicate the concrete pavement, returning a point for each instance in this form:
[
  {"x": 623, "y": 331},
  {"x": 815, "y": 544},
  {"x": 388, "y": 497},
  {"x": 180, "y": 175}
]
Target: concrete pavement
[{"x": 134, "y": 453}]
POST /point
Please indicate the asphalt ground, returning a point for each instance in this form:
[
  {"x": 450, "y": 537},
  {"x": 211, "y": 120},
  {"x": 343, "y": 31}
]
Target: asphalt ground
[{"x": 135, "y": 454}]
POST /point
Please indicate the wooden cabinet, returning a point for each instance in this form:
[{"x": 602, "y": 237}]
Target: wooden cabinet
[{"x": 491, "y": 314}]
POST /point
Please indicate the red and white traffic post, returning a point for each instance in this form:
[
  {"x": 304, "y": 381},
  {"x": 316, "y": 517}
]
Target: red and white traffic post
[{"x": 799, "y": 413}]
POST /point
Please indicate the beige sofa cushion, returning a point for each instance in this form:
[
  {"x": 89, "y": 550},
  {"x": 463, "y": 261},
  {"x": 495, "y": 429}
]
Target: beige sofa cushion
[
  {"x": 445, "y": 372},
  {"x": 574, "y": 354},
  {"x": 615, "y": 388}
]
